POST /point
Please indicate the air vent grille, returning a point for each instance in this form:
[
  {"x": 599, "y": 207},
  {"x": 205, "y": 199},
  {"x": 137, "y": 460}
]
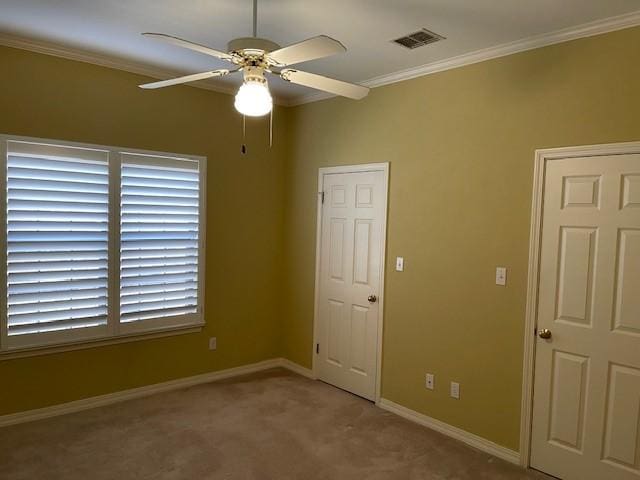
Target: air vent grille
[{"x": 418, "y": 39}]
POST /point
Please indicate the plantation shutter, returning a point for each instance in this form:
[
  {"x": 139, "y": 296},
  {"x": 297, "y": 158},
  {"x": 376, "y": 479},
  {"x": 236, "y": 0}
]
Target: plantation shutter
[
  {"x": 57, "y": 238},
  {"x": 159, "y": 255}
]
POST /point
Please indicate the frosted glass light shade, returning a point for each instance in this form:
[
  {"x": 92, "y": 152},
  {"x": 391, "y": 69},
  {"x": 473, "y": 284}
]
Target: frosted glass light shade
[{"x": 253, "y": 99}]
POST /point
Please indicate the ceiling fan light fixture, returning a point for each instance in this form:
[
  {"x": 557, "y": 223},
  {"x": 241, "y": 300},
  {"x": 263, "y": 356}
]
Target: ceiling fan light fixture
[
  {"x": 254, "y": 57},
  {"x": 253, "y": 98}
]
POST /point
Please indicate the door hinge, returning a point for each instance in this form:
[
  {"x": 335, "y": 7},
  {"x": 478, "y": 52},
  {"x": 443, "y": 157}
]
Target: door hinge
[
  {"x": 321, "y": 197},
  {"x": 317, "y": 348}
]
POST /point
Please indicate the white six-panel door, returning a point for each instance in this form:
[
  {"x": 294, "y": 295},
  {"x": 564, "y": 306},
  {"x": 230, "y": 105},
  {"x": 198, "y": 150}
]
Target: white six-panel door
[
  {"x": 349, "y": 280},
  {"x": 586, "y": 410}
]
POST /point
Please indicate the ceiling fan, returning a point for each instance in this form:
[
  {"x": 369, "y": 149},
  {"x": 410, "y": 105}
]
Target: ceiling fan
[{"x": 254, "y": 57}]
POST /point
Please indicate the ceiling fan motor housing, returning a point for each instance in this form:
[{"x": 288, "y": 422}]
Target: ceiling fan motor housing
[{"x": 252, "y": 45}]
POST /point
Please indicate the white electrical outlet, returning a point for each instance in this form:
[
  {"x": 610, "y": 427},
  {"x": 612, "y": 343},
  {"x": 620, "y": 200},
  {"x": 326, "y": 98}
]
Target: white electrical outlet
[
  {"x": 501, "y": 276},
  {"x": 455, "y": 390},
  {"x": 213, "y": 343},
  {"x": 399, "y": 264},
  {"x": 429, "y": 381}
]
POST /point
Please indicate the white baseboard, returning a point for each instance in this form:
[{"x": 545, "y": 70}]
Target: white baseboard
[
  {"x": 116, "y": 397},
  {"x": 296, "y": 368},
  {"x": 469, "y": 438},
  {"x": 110, "y": 398}
]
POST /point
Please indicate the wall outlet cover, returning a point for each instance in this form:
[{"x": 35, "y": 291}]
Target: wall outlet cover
[
  {"x": 430, "y": 381},
  {"x": 501, "y": 276},
  {"x": 213, "y": 343}
]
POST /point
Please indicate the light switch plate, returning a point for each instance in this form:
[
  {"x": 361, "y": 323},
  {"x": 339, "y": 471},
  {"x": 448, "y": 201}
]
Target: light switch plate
[
  {"x": 501, "y": 276},
  {"x": 399, "y": 264},
  {"x": 455, "y": 390},
  {"x": 213, "y": 343}
]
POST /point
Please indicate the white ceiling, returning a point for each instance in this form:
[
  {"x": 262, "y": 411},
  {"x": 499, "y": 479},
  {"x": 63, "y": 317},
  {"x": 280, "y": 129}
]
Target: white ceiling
[{"x": 365, "y": 27}]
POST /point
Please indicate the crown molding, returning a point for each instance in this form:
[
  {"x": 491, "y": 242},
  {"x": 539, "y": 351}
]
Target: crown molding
[
  {"x": 103, "y": 60},
  {"x": 590, "y": 29},
  {"x": 109, "y": 61},
  {"x": 565, "y": 35}
]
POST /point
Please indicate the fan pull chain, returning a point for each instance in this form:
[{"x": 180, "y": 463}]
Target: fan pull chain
[
  {"x": 243, "y": 149},
  {"x": 271, "y": 129}
]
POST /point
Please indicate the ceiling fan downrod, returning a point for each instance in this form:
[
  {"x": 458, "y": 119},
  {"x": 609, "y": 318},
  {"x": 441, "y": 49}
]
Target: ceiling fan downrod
[{"x": 255, "y": 18}]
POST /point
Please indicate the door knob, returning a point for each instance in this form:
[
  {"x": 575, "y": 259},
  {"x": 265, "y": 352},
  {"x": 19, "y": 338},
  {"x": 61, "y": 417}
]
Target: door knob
[
  {"x": 372, "y": 298},
  {"x": 545, "y": 333}
]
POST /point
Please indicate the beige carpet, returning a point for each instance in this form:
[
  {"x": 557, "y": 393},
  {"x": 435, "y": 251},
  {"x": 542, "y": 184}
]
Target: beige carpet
[{"x": 271, "y": 425}]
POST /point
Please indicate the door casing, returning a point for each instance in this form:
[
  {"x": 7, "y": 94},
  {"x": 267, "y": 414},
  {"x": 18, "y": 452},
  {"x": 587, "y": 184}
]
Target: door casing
[
  {"x": 542, "y": 157},
  {"x": 369, "y": 167}
]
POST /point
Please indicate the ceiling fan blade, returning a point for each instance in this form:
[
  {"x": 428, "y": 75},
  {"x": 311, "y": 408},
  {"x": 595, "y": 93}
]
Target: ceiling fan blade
[
  {"x": 310, "y": 49},
  {"x": 190, "y": 45},
  {"x": 337, "y": 87},
  {"x": 187, "y": 78}
]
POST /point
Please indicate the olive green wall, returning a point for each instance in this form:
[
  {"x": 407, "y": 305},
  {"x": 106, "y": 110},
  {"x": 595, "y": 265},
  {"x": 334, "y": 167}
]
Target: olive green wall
[
  {"x": 461, "y": 145},
  {"x": 44, "y": 96}
]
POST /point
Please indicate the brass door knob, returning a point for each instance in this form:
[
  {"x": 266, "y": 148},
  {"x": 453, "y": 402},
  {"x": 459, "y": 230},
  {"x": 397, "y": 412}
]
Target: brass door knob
[
  {"x": 545, "y": 333},
  {"x": 372, "y": 299}
]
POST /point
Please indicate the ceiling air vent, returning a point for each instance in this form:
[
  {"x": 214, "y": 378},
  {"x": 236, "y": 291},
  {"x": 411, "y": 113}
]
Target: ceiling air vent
[{"x": 418, "y": 39}]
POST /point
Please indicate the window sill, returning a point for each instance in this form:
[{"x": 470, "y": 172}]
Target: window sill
[{"x": 102, "y": 342}]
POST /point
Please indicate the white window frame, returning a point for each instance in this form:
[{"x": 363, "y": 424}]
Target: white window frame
[{"x": 114, "y": 331}]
